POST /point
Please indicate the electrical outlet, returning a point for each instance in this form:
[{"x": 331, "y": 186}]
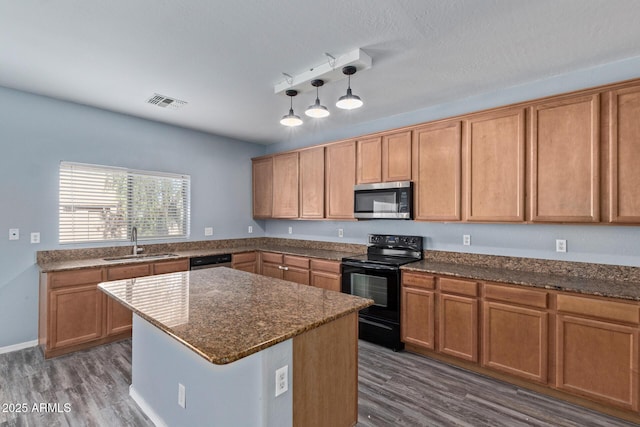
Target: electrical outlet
[
  {"x": 182, "y": 396},
  {"x": 290, "y": 230},
  {"x": 35, "y": 237},
  {"x": 208, "y": 231},
  {"x": 250, "y": 229},
  {"x": 340, "y": 232},
  {"x": 466, "y": 239},
  {"x": 14, "y": 234},
  {"x": 561, "y": 245},
  {"x": 282, "y": 380}
]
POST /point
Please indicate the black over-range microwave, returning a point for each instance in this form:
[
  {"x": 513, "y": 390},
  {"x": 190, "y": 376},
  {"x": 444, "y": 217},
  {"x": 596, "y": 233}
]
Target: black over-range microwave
[{"x": 385, "y": 200}]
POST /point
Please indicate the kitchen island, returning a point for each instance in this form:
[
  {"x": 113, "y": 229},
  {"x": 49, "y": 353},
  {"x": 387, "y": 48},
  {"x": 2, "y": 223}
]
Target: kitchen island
[{"x": 207, "y": 344}]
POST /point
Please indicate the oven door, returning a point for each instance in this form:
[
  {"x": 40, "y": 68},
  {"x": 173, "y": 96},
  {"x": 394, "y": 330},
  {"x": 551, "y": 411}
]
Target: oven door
[{"x": 378, "y": 282}]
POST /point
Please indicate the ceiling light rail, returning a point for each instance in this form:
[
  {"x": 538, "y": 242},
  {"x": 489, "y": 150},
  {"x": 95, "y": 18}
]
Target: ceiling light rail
[{"x": 328, "y": 72}]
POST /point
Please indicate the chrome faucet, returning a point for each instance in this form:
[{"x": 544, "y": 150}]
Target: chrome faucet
[{"x": 134, "y": 239}]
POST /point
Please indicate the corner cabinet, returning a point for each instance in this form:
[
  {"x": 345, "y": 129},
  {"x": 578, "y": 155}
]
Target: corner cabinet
[{"x": 245, "y": 261}]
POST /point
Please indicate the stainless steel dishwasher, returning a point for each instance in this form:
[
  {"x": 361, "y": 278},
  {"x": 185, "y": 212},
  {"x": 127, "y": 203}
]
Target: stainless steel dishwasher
[{"x": 210, "y": 261}]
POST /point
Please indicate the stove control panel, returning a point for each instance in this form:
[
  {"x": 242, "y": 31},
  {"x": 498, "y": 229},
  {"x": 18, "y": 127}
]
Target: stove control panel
[{"x": 396, "y": 242}]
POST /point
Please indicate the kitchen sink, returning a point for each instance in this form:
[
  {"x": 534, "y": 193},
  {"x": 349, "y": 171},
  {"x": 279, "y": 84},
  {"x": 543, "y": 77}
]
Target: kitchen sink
[{"x": 140, "y": 256}]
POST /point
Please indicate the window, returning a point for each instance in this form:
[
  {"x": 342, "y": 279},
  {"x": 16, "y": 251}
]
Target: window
[{"x": 102, "y": 203}]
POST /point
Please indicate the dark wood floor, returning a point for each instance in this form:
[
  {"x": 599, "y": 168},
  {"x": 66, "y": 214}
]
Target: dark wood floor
[{"x": 396, "y": 389}]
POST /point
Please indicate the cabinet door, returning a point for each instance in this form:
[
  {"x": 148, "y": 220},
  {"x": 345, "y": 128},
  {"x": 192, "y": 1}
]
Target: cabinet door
[
  {"x": 417, "y": 317},
  {"x": 285, "y": 185},
  {"x": 396, "y": 157},
  {"x": 249, "y": 267},
  {"x": 170, "y": 266},
  {"x": 598, "y": 360},
  {"x": 128, "y": 271},
  {"x": 515, "y": 340},
  {"x": 458, "y": 326},
  {"x": 76, "y": 315},
  {"x": 369, "y": 160},
  {"x": 495, "y": 167},
  {"x": 326, "y": 280},
  {"x": 340, "y": 179},
  {"x": 436, "y": 171},
  {"x": 119, "y": 317},
  {"x": 565, "y": 160},
  {"x": 624, "y": 156},
  {"x": 262, "y": 179},
  {"x": 312, "y": 183},
  {"x": 294, "y": 274}
]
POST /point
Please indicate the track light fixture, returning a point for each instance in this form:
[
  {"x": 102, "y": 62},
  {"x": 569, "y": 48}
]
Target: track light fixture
[
  {"x": 317, "y": 110},
  {"x": 349, "y": 101},
  {"x": 291, "y": 119}
]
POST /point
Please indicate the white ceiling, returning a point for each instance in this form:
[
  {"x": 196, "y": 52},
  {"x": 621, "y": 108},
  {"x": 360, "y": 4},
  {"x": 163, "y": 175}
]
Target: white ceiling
[{"x": 224, "y": 57}]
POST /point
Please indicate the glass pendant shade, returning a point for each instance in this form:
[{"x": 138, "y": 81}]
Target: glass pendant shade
[{"x": 291, "y": 119}]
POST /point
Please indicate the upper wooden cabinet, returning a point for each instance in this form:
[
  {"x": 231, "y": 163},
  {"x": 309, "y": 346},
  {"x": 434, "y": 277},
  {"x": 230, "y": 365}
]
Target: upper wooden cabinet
[
  {"x": 340, "y": 175},
  {"x": 437, "y": 151},
  {"x": 285, "y": 185},
  {"x": 565, "y": 160},
  {"x": 624, "y": 155},
  {"x": 369, "y": 160},
  {"x": 384, "y": 158},
  {"x": 495, "y": 166},
  {"x": 312, "y": 183},
  {"x": 262, "y": 170},
  {"x": 396, "y": 156}
]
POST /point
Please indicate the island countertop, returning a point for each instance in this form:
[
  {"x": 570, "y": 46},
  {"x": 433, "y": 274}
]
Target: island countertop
[{"x": 224, "y": 314}]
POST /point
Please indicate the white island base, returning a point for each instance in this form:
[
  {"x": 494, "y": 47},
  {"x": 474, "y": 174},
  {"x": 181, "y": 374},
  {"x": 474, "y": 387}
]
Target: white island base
[{"x": 322, "y": 370}]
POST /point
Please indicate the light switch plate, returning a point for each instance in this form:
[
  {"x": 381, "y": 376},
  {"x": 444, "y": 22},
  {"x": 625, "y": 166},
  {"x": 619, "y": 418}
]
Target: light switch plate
[
  {"x": 250, "y": 229},
  {"x": 14, "y": 234},
  {"x": 208, "y": 231}
]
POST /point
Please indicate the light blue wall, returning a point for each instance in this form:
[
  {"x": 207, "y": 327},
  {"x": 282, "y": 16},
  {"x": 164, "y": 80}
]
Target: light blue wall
[
  {"x": 599, "y": 244},
  {"x": 36, "y": 133}
]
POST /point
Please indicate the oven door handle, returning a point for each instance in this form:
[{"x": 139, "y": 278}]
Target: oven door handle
[{"x": 369, "y": 266}]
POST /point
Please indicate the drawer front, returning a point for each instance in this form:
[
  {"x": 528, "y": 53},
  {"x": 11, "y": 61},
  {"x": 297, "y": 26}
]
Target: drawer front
[
  {"x": 456, "y": 286},
  {"x": 271, "y": 257},
  {"x": 418, "y": 280},
  {"x": 243, "y": 257},
  {"x": 171, "y": 266},
  {"x": 296, "y": 261},
  {"x": 75, "y": 277},
  {"x": 128, "y": 271},
  {"x": 325, "y": 265},
  {"x": 599, "y": 308},
  {"x": 528, "y": 297}
]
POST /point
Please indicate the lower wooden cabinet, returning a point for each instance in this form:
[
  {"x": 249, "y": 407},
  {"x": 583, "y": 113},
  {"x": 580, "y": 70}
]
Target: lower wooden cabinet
[
  {"x": 417, "y": 310},
  {"x": 75, "y": 314},
  {"x": 325, "y": 274},
  {"x": 246, "y": 261},
  {"x": 458, "y": 318},
  {"x": 597, "y": 349}
]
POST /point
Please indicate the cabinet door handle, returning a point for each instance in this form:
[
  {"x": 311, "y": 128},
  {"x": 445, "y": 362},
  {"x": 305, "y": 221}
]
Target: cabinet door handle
[{"x": 283, "y": 268}]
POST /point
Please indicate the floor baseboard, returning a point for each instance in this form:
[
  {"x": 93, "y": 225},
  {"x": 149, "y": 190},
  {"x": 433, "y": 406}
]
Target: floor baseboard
[{"x": 16, "y": 347}]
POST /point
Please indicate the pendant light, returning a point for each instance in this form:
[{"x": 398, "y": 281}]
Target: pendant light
[
  {"x": 349, "y": 101},
  {"x": 317, "y": 110},
  {"x": 291, "y": 119}
]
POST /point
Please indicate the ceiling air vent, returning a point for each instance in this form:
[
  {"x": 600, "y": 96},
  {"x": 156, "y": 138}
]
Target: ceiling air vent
[{"x": 166, "y": 102}]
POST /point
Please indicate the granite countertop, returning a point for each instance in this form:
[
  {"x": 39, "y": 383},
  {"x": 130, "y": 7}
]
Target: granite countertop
[
  {"x": 99, "y": 261},
  {"x": 537, "y": 279},
  {"x": 224, "y": 314}
]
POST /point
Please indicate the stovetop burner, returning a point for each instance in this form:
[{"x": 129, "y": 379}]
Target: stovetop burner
[{"x": 381, "y": 259}]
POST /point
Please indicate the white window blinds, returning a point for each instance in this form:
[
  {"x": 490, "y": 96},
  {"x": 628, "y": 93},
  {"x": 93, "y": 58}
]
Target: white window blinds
[{"x": 102, "y": 203}]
